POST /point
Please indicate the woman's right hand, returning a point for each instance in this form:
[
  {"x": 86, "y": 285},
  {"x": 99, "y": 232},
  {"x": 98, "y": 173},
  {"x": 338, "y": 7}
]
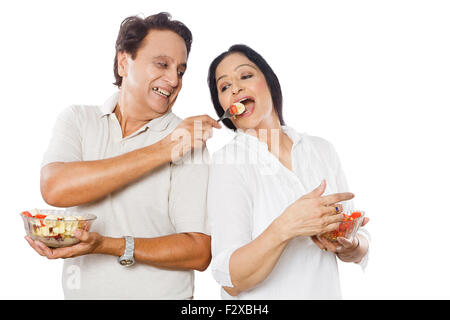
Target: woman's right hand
[{"x": 312, "y": 214}]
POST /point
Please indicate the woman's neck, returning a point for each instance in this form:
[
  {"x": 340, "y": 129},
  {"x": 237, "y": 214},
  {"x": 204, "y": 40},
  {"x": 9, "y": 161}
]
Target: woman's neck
[
  {"x": 269, "y": 131},
  {"x": 278, "y": 142}
]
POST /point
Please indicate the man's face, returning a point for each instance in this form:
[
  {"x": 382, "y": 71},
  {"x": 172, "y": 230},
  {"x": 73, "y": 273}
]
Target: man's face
[{"x": 154, "y": 77}]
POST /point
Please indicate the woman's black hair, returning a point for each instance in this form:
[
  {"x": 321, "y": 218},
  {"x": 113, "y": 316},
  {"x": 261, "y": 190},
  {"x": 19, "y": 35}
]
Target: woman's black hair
[{"x": 258, "y": 60}]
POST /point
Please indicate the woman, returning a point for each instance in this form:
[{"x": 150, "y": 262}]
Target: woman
[{"x": 266, "y": 194}]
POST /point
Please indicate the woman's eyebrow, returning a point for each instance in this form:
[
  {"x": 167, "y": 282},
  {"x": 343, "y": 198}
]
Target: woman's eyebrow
[
  {"x": 244, "y": 64},
  {"x": 220, "y": 78},
  {"x": 241, "y": 65}
]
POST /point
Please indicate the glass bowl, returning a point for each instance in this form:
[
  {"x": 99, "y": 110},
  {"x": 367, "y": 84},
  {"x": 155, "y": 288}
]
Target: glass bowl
[
  {"x": 55, "y": 228},
  {"x": 348, "y": 228}
]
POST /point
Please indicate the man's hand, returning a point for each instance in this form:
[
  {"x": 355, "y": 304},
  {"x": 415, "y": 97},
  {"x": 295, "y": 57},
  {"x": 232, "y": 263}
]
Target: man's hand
[
  {"x": 90, "y": 241},
  {"x": 192, "y": 132}
]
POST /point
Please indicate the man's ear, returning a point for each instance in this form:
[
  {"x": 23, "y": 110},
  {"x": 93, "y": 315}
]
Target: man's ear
[{"x": 122, "y": 63}]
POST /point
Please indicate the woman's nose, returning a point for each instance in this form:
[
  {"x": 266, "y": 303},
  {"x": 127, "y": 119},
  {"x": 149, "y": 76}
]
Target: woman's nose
[{"x": 235, "y": 89}]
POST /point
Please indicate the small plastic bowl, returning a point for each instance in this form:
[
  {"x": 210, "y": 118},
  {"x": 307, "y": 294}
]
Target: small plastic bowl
[
  {"x": 56, "y": 233},
  {"x": 348, "y": 228}
]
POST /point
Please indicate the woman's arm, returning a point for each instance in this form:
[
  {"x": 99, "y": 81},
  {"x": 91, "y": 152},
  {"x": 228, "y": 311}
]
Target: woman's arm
[
  {"x": 252, "y": 263},
  {"x": 310, "y": 215}
]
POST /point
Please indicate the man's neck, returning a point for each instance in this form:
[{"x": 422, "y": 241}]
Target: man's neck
[{"x": 126, "y": 110}]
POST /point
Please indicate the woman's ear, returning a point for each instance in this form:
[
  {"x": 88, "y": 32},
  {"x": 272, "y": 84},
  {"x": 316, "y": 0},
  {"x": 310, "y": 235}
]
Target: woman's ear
[{"x": 122, "y": 64}]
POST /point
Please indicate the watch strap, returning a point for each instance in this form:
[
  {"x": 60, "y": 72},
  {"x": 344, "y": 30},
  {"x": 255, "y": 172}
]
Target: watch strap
[{"x": 127, "y": 258}]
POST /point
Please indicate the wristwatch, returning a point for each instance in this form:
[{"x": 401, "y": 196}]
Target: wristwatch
[{"x": 127, "y": 259}]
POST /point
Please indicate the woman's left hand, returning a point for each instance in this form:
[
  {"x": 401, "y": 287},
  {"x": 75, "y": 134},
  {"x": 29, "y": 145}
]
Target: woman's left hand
[
  {"x": 346, "y": 250},
  {"x": 89, "y": 242}
]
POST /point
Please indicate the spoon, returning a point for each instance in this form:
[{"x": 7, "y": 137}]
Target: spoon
[{"x": 235, "y": 110}]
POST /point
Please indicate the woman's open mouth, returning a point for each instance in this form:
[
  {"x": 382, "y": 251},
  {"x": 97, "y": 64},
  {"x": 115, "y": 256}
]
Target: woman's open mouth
[{"x": 249, "y": 103}]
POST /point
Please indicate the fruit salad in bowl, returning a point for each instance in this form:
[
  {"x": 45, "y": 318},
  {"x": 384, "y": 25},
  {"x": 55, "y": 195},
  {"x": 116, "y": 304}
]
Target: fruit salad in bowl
[
  {"x": 347, "y": 228},
  {"x": 55, "y": 228}
]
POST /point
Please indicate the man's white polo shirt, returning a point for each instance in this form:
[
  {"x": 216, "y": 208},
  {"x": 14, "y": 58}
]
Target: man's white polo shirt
[{"x": 170, "y": 199}]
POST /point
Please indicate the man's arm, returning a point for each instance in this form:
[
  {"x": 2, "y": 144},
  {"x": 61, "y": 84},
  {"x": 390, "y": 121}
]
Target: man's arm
[
  {"x": 181, "y": 251},
  {"x": 67, "y": 184}
]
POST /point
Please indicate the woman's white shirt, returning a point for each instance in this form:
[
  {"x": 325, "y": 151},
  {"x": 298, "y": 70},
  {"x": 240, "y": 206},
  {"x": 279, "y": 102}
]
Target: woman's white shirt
[{"x": 248, "y": 189}]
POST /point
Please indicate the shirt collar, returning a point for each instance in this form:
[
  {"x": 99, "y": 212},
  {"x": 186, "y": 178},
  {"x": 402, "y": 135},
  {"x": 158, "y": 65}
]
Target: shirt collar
[
  {"x": 157, "y": 124},
  {"x": 259, "y": 151},
  {"x": 110, "y": 104},
  {"x": 295, "y": 136}
]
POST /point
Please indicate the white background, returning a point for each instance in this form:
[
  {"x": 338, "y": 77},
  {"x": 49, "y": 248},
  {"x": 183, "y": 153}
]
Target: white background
[{"x": 372, "y": 77}]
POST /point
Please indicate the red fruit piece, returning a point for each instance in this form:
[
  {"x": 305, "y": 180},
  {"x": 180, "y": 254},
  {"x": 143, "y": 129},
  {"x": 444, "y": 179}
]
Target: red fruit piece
[
  {"x": 26, "y": 213},
  {"x": 356, "y": 215}
]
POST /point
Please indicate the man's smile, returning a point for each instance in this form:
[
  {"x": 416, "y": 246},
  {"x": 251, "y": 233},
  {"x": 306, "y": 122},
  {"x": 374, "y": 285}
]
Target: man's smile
[{"x": 161, "y": 92}]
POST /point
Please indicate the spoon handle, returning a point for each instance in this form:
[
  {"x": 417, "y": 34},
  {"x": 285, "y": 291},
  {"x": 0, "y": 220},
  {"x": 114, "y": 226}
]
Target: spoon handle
[{"x": 226, "y": 115}]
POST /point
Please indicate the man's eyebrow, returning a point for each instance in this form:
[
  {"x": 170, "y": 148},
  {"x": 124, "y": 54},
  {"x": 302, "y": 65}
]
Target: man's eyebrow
[
  {"x": 241, "y": 65},
  {"x": 184, "y": 64}
]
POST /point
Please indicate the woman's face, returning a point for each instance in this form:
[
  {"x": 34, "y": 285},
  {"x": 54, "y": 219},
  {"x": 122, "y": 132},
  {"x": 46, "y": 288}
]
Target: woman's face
[{"x": 239, "y": 79}]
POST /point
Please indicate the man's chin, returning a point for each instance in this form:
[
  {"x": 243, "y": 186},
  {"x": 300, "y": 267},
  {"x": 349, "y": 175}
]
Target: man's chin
[
  {"x": 161, "y": 111},
  {"x": 158, "y": 108}
]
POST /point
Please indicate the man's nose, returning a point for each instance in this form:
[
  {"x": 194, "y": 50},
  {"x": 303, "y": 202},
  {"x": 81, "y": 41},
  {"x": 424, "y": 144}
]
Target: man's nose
[{"x": 171, "y": 78}]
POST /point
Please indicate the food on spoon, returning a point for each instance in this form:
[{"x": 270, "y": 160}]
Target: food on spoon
[{"x": 237, "y": 108}]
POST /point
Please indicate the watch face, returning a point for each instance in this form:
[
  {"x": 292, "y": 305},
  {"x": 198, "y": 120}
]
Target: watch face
[{"x": 126, "y": 262}]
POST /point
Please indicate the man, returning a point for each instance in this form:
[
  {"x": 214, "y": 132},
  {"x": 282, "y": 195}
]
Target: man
[{"x": 117, "y": 161}]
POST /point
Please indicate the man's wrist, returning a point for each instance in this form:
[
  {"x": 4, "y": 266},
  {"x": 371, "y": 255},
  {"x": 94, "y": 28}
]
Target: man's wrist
[
  {"x": 165, "y": 148},
  {"x": 111, "y": 246}
]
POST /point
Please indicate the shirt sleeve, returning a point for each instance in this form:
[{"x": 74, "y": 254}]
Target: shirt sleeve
[
  {"x": 187, "y": 195},
  {"x": 230, "y": 213},
  {"x": 65, "y": 142},
  {"x": 342, "y": 186}
]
